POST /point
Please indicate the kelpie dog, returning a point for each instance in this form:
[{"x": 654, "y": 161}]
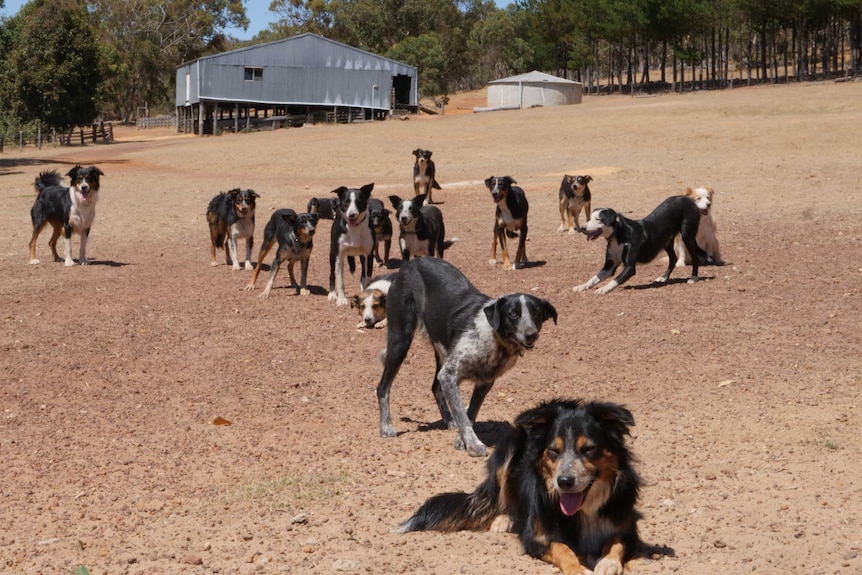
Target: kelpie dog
[
  {"x": 510, "y": 219},
  {"x": 231, "y": 217},
  {"x": 424, "y": 174},
  {"x": 294, "y": 234},
  {"x": 574, "y": 197}
]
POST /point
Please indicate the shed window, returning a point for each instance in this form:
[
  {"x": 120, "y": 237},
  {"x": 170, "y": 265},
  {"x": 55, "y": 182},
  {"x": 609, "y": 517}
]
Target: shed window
[{"x": 253, "y": 74}]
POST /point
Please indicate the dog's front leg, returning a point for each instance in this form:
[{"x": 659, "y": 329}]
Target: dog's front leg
[
  {"x": 611, "y": 562},
  {"x": 493, "y": 258},
  {"x": 623, "y": 277},
  {"x": 249, "y": 244},
  {"x": 521, "y": 254},
  {"x": 303, "y": 277},
  {"x": 231, "y": 253},
  {"x": 67, "y": 246},
  {"x": 82, "y": 257},
  {"x": 340, "y": 298},
  {"x": 562, "y": 556},
  {"x": 445, "y": 414},
  {"x": 603, "y": 274},
  {"x": 480, "y": 391},
  {"x": 467, "y": 438}
]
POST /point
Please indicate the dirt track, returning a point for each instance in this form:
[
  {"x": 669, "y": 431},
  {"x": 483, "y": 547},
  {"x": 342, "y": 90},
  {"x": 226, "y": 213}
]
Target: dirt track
[{"x": 745, "y": 387}]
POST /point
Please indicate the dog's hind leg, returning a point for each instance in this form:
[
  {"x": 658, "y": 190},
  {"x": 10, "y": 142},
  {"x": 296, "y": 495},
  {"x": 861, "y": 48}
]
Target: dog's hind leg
[
  {"x": 67, "y": 245},
  {"x": 264, "y": 249},
  {"x": 280, "y": 255},
  {"x": 671, "y": 262},
  {"x": 401, "y": 327}
]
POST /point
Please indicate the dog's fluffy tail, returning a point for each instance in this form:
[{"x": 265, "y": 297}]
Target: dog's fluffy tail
[
  {"x": 449, "y": 512},
  {"x": 448, "y": 243},
  {"x": 47, "y": 179}
]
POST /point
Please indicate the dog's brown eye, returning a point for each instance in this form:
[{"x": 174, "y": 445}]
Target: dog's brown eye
[
  {"x": 553, "y": 454},
  {"x": 589, "y": 451}
]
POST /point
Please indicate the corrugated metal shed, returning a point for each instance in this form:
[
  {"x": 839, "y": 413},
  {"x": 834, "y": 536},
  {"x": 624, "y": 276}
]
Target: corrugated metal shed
[
  {"x": 533, "y": 89},
  {"x": 302, "y": 72}
]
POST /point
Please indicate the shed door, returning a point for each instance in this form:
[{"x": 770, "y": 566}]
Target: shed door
[{"x": 401, "y": 85}]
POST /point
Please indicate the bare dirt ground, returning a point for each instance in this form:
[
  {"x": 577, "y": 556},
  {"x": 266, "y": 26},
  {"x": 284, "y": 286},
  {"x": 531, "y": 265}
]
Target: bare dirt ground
[{"x": 745, "y": 387}]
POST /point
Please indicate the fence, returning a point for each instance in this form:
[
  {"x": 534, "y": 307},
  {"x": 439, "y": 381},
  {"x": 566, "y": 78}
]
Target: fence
[{"x": 166, "y": 121}]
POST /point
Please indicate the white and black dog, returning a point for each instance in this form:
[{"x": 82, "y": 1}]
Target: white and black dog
[
  {"x": 639, "y": 241},
  {"x": 351, "y": 236},
  {"x": 422, "y": 230},
  {"x": 294, "y": 234},
  {"x": 510, "y": 219},
  {"x": 424, "y": 174},
  {"x": 69, "y": 209},
  {"x": 231, "y": 217},
  {"x": 706, "y": 231},
  {"x": 474, "y": 337},
  {"x": 371, "y": 303}
]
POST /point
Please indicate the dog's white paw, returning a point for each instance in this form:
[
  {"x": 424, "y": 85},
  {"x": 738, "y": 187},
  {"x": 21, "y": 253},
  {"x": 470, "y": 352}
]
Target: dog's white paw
[
  {"x": 84, "y": 261},
  {"x": 501, "y": 524},
  {"x": 388, "y": 431},
  {"x": 249, "y": 267},
  {"x": 69, "y": 263},
  {"x": 340, "y": 301},
  {"x": 264, "y": 294},
  {"x": 304, "y": 291},
  {"x": 213, "y": 264},
  {"x": 605, "y": 289},
  {"x": 582, "y": 287},
  {"x": 35, "y": 262},
  {"x": 235, "y": 267},
  {"x": 660, "y": 280},
  {"x": 332, "y": 296},
  {"x": 693, "y": 279},
  {"x": 249, "y": 287},
  {"x": 492, "y": 261},
  {"x": 608, "y": 566},
  {"x": 572, "y": 231},
  {"x": 380, "y": 324},
  {"x": 562, "y": 228},
  {"x": 510, "y": 267}
]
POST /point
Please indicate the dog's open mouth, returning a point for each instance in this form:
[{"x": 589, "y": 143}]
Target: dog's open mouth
[
  {"x": 571, "y": 502},
  {"x": 591, "y": 235},
  {"x": 704, "y": 212}
]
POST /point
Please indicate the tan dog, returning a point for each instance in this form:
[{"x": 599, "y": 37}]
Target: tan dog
[{"x": 706, "y": 231}]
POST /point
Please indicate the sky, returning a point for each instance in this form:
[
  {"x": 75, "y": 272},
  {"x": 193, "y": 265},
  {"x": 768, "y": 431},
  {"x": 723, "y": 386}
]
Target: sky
[{"x": 257, "y": 11}]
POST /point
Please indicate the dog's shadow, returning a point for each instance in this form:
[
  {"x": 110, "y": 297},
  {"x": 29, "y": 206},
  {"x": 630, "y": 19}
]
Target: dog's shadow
[
  {"x": 672, "y": 281},
  {"x": 533, "y": 264},
  {"x": 489, "y": 432},
  {"x": 313, "y": 290}
]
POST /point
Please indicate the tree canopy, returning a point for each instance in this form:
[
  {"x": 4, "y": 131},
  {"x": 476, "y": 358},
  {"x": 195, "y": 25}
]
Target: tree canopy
[{"x": 123, "y": 54}]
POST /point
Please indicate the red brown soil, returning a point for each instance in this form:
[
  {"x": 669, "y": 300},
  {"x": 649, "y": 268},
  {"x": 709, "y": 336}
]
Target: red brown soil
[{"x": 745, "y": 387}]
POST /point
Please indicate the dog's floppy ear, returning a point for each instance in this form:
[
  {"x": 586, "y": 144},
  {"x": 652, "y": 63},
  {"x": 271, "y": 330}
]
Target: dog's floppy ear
[
  {"x": 608, "y": 216},
  {"x": 289, "y": 218},
  {"x": 417, "y": 151},
  {"x": 396, "y": 201},
  {"x": 95, "y": 170},
  {"x": 420, "y": 199},
  {"x": 494, "y": 313},
  {"x": 314, "y": 218},
  {"x": 366, "y": 189},
  {"x": 253, "y": 193},
  {"x": 510, "y": 180},
  {"x": 616, "y": 417},
  {"x": 428, "y": 154},
  {"x": 489, "y": 182},
  {"x": 588, "y": 179},
  {"x": 534, "y": 421},
  {"x": 73, "y": 173},
  {"x": 548, "y": 310},
  {"x": 354, "y": 302}
]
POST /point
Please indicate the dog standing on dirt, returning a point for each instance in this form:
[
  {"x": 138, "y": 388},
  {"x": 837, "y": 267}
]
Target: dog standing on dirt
[
  {"x": 562, "y": 480},
  {"x": 421, "y": 228},
  {"x": 69, "y": 209},
  {"x": 574, "y": 197},
  {"x": 382, "y": 227},
  {"x": 351, "y": 236},
  {"x": 424, "y": 174},
  {"x": 631, "y": 242},
  {"x": 474, "y": 336},
  {"x": 294, "y": 234},
  {"x": 231, "y": 217},
  {"x": 706, "y": 231},
  {"x": 510, "y": 219}
]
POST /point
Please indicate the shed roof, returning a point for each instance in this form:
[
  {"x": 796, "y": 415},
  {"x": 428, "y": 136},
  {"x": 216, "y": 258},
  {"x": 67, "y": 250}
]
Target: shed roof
[{"x": 535, "y": 76}]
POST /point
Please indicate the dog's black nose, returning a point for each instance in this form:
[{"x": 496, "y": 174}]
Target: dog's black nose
[
  {"x": 566, "y": 481},
  {"x": 531, "y": 335}
]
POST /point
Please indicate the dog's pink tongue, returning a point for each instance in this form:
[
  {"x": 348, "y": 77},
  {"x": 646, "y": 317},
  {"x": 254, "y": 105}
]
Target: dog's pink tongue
[{"x": 571, "y": 502}]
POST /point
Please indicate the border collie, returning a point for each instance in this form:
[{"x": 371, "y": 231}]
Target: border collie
[
  {"x": 422, "y": 229},
  {"x": 69, "y": 210},
  {"x": 474, "y": 337},
  {"x": 351, "y": 236},
  {"x": 231, "y": 217},
  {"x": 510, "y": 219}
]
